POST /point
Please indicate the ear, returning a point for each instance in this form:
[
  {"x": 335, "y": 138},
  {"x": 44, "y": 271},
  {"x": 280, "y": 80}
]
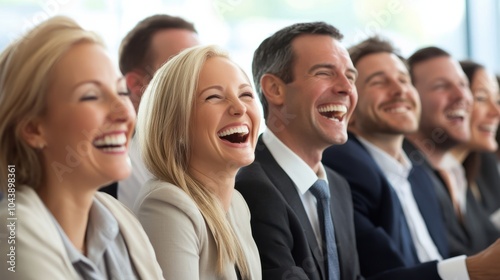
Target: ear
[
  {"x": 273, "y": 89},
  {"x": 136, "y": 83},
  {"x": 31, "y": 131}
]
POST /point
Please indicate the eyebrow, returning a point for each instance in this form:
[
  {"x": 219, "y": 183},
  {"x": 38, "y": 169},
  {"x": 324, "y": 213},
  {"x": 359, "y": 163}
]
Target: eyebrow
[
  {"x": 95, "y": 82},
  {"x": 219, "y": 88},
  {"x": 382, "y": 73},
  {"x": 332, "y": 67}
]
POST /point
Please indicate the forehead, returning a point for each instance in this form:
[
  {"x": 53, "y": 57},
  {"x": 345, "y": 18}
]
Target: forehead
[
  {"x": 218, "y": 69},
  {"x": 382, "y": 61},
  {"x": 311, "y": 49},
  {"x": 483, "y": 79},
  {"x": 168, "y": 42},
  {"x": 84, "y": 61},
  {"x": 437, "y": 68}
]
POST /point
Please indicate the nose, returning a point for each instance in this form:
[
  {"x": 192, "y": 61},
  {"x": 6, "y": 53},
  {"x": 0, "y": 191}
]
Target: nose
[
  {"x": 237, "y": 107},
  {"x": 494, "y": 108},
  {"x": 463, "y": 94},
  {"x": 121, "y": 108},
  {"x": 397, "y": 88},
  {"x": 343, "y": 85}
]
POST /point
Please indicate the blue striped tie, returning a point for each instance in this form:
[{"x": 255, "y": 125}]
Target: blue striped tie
[{"x": 321, "y": 191}]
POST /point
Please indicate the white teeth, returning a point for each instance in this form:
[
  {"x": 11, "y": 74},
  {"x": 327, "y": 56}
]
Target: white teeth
[
  {"x": 333, "y": 108},
  {"x": 233, "y": 130},
  {"x": 457, "y": 113},
  {"x": 111, "y": 139},
  {"x": 489, "y": 128}
]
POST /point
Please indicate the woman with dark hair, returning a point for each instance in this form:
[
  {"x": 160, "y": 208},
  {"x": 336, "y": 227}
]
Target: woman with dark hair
[{"x": 477, "y": 154}]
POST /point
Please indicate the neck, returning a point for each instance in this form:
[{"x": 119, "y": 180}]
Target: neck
[
  {"x": 70, "y": 209},
  {"x": 392, "y": 144},
  {"x": 310, "y": 154},
  {"x": 433, "y": 152},
  {"x": 460, "y": 152},
  {"x": 221, "y": 183}
]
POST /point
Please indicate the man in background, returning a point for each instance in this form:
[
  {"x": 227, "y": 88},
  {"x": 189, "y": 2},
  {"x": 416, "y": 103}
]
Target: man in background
[
  {"x": 398, "y": 220},
  {"x": 446, "y": 101},
  {"x": 151, "y": 43}
]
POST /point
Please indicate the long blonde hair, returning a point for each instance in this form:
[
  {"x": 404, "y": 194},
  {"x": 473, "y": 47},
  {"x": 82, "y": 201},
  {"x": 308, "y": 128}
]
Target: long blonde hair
[
  {"x": 163, "y": 130},
  {"x": 25, "y": 68}
]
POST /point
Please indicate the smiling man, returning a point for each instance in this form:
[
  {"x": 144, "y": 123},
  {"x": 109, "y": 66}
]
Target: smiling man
[
  {"x": 446, "y": 105},
  {"x": 399, "y": 224},
  {"x": 305, "y": 80}
]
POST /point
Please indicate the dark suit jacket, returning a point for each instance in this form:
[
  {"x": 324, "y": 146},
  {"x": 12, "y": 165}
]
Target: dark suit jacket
[
  {"x": 472, "y": 235},
  {"x": 280, "y": 226},
  {"x": 488, "y": 183},
  {"x": 385, "y": 246}
]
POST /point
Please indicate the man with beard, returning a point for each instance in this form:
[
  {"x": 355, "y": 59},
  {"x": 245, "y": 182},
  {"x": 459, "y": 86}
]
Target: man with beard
[{"x": 398, "y": 221}]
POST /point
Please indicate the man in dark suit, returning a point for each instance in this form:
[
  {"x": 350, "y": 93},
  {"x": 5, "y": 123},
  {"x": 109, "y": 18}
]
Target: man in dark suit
[
  {"x": 395, "y": 206},
  {"x": 445, "y": 123},
  {"x": 305, "y": 80}
]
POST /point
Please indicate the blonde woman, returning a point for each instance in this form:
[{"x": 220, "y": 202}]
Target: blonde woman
[
  {"x": 65, "y": 125},
  {"x": 197, "y": 125}
]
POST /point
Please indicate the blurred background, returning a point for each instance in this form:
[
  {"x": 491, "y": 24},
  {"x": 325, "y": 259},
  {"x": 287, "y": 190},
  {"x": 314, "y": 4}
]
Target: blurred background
[{"x": 465, "y": 28}]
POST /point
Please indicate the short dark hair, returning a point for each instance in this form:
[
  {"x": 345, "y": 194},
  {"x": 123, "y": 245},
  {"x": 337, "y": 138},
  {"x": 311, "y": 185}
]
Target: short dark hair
[
  {"x": 470, "y": 68},
  {"x": 275, "y": 55},
  {"x": 135, "y": 48},
  {"x": 373, "y": 45},
  {"x": 422, "y": 55}
]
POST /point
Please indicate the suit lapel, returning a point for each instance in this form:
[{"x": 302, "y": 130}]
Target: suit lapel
[{"x": 289, "y": 192}]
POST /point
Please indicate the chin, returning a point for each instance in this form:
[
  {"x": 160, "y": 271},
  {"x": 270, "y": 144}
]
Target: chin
[
  {"x": 118, "y": 174},
  {"x": 338, "y": 139},
  {"x": 244, "y": 161}
]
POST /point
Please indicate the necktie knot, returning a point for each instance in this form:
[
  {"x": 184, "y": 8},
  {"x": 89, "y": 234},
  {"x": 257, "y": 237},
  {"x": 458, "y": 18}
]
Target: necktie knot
[{"x": 320, "y": 189}]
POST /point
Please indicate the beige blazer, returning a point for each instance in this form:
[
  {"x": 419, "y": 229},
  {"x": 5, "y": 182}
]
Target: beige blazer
[
  {"x": 39, "y": 250},
  {"x": 184, "y": 246}
]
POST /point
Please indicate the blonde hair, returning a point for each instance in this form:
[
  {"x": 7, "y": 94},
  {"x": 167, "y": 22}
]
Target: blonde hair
[
  {"x": 25, "y": 68},
  {"x": 163, "y": 129}
]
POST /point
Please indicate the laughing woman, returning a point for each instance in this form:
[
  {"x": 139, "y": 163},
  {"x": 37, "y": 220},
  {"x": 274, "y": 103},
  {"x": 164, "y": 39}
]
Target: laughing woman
[
  {"x": 197, "y": 125},
  {"x": 65, "y": 125},
  {"x": 476, "y": 155}
]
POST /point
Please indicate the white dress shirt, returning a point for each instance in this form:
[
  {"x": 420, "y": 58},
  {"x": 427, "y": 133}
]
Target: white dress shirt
[
  {"x": 300, "y": 173},
  {"x": 459, "y": 181},
  {"x": 397, "y": 174}
]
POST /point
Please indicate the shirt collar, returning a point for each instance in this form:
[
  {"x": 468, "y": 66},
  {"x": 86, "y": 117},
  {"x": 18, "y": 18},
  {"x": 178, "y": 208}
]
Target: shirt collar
[
  {"x": 102, "y": 229},
  {"x": 449, "y": 162},
  {"x": 387, "y": 163},
  {"x": 299, "y": 172}
]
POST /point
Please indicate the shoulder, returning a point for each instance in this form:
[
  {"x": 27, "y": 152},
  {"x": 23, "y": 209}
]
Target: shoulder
[
  {"x": 239, "y": 206},
  {"x": 160, "y": 202},
  {"x": 37, "y": 241},
  {"x": 257, "y": 188},
  {"x": 156, "y": 193},
  {"x": 354, "y": 163},
  {"x": 334, "y": 178},
  {"x": 252, "y": 172}
]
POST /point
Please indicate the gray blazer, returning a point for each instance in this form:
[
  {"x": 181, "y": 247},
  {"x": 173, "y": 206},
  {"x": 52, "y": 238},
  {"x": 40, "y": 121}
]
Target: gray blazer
[{"x": 184, "y": 245}]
